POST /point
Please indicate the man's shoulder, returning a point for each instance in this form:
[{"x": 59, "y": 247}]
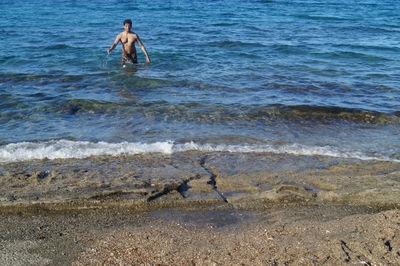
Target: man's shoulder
[{"x": 133, "y": 34}]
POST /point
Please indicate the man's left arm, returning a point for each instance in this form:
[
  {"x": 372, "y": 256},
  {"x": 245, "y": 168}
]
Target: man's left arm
[{"x": 139, "y": 42}]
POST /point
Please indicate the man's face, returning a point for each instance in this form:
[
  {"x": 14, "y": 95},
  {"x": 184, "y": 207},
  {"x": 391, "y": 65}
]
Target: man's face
[{"x": 127, "y": 27}]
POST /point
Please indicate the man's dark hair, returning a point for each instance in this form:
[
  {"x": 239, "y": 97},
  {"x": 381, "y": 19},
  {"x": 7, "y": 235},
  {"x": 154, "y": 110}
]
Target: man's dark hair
[{"x": 128, "y": 21}]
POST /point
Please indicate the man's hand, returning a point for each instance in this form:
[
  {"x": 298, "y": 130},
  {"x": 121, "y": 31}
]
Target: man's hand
[
  {"x": 148, "y": 60},
  {"x": 109, "y": 50}
]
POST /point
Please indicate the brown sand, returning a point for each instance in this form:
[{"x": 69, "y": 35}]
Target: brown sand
[
  {"x": 280, "y": 239},
  {"x": 293, "y": 235},
  {"x": 200, "y": 208}
]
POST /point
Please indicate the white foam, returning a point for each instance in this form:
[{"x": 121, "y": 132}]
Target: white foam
[
  {"x": 295, "y": 149},
  {"x": 63, "y": 149}
]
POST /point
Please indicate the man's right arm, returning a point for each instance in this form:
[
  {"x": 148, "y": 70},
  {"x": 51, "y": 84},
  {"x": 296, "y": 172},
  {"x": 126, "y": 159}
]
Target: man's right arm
[{"x": 117, "y": 39}]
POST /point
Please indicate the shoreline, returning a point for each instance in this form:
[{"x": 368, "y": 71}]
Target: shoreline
[{"x": 238, "y": 180}]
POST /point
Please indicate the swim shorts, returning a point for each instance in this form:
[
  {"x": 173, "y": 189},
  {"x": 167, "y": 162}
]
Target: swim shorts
[{"x": 128, "y": 58}]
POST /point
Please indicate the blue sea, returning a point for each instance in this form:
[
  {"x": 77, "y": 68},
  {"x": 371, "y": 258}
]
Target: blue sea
[{"x": 306, "y": 77}]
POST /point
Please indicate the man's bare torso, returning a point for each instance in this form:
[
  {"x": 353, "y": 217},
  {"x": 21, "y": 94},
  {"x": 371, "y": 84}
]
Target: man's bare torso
[{"x": 128, "y": 40}]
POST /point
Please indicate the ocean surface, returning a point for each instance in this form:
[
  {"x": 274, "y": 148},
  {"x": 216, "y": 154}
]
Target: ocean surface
[{"x": 304, "y": 77}]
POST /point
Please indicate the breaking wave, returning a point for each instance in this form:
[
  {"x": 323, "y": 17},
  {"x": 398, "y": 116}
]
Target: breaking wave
[{"x": 65, "y": 149}]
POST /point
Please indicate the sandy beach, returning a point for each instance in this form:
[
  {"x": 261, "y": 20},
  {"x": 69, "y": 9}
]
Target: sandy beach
[
  {"x": 294, "y": 235},
  {"x": 196, "y": 208}
]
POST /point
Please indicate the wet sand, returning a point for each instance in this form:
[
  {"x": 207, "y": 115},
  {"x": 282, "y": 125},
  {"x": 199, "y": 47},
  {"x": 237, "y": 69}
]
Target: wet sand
[
  {"x": 200, "y": 208},
  {"x": 192, "y": 178}
]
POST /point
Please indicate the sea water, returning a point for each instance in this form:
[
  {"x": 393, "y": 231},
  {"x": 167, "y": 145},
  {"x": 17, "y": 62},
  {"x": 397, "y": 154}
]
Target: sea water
[{"x": 304, "y": 77}]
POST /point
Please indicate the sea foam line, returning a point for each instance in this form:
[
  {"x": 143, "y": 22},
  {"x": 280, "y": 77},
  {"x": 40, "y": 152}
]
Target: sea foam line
[{"x": 65, "y": 149}]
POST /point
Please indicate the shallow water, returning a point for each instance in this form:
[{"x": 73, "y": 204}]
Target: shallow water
[{"x": 304, "y": 77}]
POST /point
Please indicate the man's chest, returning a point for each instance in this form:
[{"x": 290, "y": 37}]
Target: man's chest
[{"x": 128, "y": 38}]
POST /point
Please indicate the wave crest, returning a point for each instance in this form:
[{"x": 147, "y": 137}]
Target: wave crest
[{"x": 67, "y": 149}]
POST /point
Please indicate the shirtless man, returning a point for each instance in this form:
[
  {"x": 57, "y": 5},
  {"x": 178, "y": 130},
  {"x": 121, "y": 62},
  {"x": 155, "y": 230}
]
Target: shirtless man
[{"x": 128, "y": 39}]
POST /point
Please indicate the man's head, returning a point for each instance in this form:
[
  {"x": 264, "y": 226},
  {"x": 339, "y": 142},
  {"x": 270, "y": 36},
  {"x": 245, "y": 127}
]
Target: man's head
[{"x": 127, "y": 24}]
